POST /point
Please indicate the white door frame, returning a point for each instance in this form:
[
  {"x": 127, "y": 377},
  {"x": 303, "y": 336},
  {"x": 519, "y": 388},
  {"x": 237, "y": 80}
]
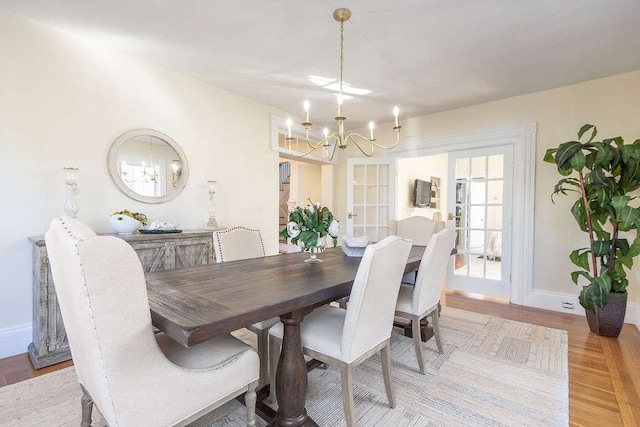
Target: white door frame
[{"x": 523, "y": 139}]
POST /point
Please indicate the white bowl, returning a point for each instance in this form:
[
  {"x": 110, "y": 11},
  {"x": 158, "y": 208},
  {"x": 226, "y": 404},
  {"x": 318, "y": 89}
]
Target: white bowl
[
  {"x": 353, "y": 251},
  {"x": 124, "y": 224}
]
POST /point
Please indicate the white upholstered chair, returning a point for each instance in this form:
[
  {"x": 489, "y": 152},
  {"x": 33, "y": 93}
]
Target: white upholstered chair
[
  {"x": 244, "y": 243},
  {"x": 347, "y": 337},
  {"x": 421, "y": 300},
  {"x": 135, "y": 377},
  {"x": 419, "y": 229},
  {"x": 237, "y": 243}
]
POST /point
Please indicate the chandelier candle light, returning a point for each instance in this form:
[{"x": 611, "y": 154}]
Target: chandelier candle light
[{"x": 338, "y": 138}]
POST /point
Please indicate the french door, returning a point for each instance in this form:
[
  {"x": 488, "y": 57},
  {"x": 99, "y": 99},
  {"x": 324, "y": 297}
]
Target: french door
[
  {"x": 480, "y": 211},
  {"x": 370, "y": 197}
]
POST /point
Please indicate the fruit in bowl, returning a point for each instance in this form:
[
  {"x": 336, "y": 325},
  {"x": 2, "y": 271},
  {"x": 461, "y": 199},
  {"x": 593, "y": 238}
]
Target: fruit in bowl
[{"x": 126, "y": 222}]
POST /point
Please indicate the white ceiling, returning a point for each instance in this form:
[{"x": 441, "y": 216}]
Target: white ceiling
[{"x": 422, "y": 55}]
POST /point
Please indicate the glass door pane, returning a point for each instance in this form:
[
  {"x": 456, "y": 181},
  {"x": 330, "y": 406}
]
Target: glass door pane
[
  {"x": 478, "y": 216},
  {"x": 369, "y": 197}
]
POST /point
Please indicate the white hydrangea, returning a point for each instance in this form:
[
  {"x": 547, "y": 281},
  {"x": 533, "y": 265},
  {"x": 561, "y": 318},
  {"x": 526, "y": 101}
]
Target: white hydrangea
[
  {"x": 293, "y": 229},
  {"x": 334, "y": 228}
]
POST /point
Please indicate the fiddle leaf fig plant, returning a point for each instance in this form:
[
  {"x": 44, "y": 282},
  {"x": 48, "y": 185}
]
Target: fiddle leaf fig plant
[{"x": 608, "y": 171}]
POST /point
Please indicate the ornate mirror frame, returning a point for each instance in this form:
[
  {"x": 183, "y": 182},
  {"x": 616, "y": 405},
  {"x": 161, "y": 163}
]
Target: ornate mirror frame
[{"x": 112, "y": 165}]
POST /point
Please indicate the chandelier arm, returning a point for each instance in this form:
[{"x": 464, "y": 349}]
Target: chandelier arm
[
  {"x": 306, "y": 153},
  {"x": 323, "y": 143},
  {"x": 125, "y": 179},
  {"x": 388, "y": 147},
  {"x": 313, "y": 146},
  {"x": 333, "y": 153},
  {"x": 351, "y": 138},
  {"x": 375, "y": 144},
  {"x": 146, "y": 177}
]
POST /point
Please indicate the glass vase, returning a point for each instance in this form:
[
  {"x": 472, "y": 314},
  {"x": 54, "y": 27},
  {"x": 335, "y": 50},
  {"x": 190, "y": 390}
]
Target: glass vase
[
  {"x": 313, "y": 253},
  {"x": 71, "y": 205},
  {"x": 212, "y": 222}
]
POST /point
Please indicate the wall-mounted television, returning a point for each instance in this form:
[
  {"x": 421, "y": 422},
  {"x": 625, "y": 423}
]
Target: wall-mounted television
[{"x": 421, "y": 194}]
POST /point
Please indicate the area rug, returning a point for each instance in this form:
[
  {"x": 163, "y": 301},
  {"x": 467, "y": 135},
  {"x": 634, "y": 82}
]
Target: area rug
[{"x": 493, "y": 372}]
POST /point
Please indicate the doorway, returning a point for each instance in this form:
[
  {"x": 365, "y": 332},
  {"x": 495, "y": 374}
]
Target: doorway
[
  {"x": 430, "y": 169},
  {"x": 521, "y": 140},
  {"x": 467, "y": 187},
  {"x": 301, "y": 183}
]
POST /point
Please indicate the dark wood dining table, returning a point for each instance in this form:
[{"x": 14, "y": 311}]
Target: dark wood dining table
[{"x": 192, "y": 305}]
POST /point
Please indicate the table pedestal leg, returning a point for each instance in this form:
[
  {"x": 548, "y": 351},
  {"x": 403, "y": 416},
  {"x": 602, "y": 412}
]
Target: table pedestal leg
[{"x": 291, "y": 376}]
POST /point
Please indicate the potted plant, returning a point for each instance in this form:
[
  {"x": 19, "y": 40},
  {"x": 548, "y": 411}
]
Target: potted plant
[{"x": 607, "y": 172}]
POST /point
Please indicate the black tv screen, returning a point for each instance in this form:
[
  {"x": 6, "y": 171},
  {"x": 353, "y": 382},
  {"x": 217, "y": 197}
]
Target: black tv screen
[{"x": 421, "y": 193}]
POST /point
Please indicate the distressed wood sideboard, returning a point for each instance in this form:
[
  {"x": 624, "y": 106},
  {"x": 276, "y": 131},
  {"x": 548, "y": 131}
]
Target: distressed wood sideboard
[{"x": 157, "y": 252}]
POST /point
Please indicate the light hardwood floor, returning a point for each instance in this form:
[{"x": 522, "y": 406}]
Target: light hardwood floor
[{"x": 604, "y": 373}]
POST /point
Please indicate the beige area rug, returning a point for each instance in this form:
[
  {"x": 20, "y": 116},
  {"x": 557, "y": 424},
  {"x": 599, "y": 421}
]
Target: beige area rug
[{"x": 493, "y": 372}]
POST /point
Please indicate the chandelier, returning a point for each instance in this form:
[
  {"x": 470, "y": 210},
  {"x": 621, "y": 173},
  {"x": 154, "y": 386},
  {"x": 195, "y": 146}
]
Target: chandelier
[
  {"x": 143, "y": 172},
  {"x": 338, "y": 138}
]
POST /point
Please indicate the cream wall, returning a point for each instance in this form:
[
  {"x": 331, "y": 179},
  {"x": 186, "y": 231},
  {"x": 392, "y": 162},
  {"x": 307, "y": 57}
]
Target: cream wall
[
  {"x": 308, "y": 177},
  {"x": 312, "y": 183},
  {"x": 62, "y": 103},
  {"x": 609, "y": 103}
]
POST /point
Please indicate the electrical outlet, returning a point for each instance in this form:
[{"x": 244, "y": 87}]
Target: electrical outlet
[{"x": 567, "y": 305}]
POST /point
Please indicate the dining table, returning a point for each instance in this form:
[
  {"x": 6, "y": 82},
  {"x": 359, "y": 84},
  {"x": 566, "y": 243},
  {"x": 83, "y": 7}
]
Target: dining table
[{"x": 194, "y": 304}]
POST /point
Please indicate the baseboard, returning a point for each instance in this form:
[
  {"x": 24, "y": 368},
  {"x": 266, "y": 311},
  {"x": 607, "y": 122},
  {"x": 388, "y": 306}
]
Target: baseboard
[
  {"x": 564, "y": 303},
  {"x": 14, "y": 340},
  {"x": 568, "y": 303},
  {"x": 633, "y": 314}
]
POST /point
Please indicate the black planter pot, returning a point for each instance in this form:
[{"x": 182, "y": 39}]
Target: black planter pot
[{"x": 608, "y": 321}]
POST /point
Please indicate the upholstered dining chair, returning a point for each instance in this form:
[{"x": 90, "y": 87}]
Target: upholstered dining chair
[
  {"x": 135, "y": 377},
  {"x": 244, "y": 243},
  {"x": 421, "y": 300},
  {"x": 419, "y": 229},
  {"x": 348, "y": 337}
]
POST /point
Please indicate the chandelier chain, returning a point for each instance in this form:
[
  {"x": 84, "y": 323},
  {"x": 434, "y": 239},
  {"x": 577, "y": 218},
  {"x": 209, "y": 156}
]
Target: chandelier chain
[{"x": 341, "y": 54}]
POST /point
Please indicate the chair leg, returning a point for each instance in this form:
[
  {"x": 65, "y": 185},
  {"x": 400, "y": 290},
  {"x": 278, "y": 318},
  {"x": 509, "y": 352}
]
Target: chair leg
[
  {"x": 347, "y": 394},
  {"x": 436, "y": 329},
  {"x": 87, "y": 407},
  {"x": 415, "y": 330},
  {"x": 386, "y": 373},
  {"x": 274, "y": 354},
  {"x": 250, "y": 398},
  {"x": 263, "y": 353}
]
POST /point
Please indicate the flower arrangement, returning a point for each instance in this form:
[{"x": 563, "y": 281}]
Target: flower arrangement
[
  {"x": 307, "y": 225},
  {"x": 135, "y": 215}
]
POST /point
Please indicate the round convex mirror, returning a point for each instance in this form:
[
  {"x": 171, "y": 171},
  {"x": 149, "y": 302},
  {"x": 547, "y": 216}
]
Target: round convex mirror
[{"x": 148, "y": 166}]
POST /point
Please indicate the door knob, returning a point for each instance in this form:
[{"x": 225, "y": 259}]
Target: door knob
[{"x": 351, "y": 215}]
